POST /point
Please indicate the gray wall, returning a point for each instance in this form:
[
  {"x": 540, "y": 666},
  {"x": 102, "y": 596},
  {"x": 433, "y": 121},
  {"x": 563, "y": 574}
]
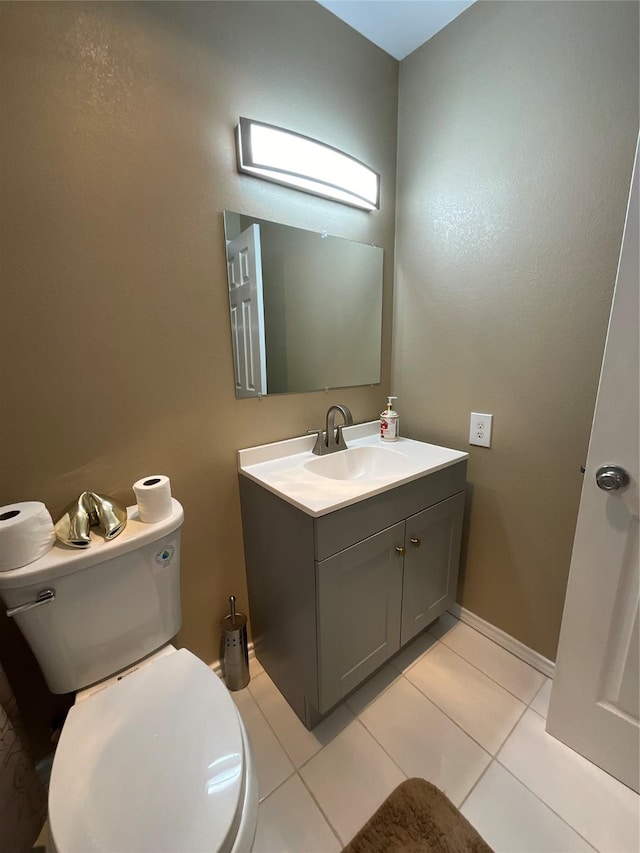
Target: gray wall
[
  {"x": 517, "y": 128},
  {"x": 117, "y": 160}
]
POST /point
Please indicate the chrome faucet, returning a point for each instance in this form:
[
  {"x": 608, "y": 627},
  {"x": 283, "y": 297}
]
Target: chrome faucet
[{"x": 332, "y": 439}]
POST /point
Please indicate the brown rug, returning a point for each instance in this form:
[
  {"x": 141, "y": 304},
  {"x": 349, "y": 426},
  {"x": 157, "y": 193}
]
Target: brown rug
[{"x": 417, "y": 818}]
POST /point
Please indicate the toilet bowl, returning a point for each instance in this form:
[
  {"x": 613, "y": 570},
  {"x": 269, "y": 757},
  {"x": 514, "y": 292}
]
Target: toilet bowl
[
  {"x": 153, "y": 755},
  {"x": 157, "y": 760}
]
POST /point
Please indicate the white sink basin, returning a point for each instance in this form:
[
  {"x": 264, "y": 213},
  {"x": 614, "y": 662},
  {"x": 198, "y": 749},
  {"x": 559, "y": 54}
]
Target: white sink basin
[
  {"x": 359, "y": 462},
  {"x": 321, "y": 484}
]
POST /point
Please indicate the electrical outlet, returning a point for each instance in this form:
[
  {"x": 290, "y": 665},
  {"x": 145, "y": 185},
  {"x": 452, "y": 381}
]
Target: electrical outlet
[{"x": 480, "y": 429}]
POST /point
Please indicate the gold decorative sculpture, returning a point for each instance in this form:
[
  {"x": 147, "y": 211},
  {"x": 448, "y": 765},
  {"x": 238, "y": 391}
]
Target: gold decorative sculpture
[{"x": 90, "y": 510}]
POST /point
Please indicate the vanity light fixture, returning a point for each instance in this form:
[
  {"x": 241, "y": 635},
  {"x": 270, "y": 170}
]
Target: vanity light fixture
[{"x": 289, "y": 158}]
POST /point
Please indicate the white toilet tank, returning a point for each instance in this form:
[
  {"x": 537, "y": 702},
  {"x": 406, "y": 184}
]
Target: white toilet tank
[{"x": 115, "y": 602}]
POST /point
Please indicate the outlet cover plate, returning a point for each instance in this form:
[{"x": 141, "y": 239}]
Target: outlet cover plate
[{"x": 480, "y": 427}]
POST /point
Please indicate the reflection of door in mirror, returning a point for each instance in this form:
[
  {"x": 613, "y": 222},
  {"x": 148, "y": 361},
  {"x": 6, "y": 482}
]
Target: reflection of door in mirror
[
  {"x": 321, "y": 307},
  {"x": 246, "y": 304}
]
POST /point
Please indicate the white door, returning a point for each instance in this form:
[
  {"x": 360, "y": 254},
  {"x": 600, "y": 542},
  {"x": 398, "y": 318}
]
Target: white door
[
  {"x": 246, "y": 304},
  {"x": 595, "y": 697}
]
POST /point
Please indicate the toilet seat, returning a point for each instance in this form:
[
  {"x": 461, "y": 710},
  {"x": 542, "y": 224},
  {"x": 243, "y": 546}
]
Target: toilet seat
[{"x": 157, "y": 761}]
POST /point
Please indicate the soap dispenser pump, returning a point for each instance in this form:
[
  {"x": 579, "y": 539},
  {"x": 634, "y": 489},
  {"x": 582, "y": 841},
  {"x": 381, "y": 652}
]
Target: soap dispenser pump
[{"x": 390, "y": 422}]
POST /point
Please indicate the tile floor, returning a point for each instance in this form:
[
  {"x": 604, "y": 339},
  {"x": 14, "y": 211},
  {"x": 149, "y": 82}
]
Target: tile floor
[{"x": 454, "y": 708}]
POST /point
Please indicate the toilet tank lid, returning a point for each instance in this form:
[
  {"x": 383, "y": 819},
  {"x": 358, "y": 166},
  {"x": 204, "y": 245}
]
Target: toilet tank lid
[
  {"x": 63, "y": 560},
  {"x": 153, "y": 762}
]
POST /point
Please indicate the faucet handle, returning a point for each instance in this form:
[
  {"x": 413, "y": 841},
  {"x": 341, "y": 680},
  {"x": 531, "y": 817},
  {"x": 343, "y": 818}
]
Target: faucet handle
[{"x": 319, "y": 445}]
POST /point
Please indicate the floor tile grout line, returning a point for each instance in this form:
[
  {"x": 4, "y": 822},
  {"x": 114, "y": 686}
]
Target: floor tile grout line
[
  {"x": 315, "y": 801},
  {"x": 322, "y": 811},
  {"x": 439, "y": 640},
  {"x": 511, "y": 730},
  {"x": 277, "y": 788},
  {"x": 522, "y": 782},
  {"x": 308, "y": 760},
  {"x": 485, "y": 751},
  {"x": 471, "y": 663},
  {"x": 490, "y": 640},
  {"x": 356, "y": 719},
  {"x": 296, "y": 770},
  {"x": 356, "y": 714},
  {"x": 433, "y": 702},
  {"x": 403, "y": 674},
  {"x": 461, "y": 727},
  {"x": 455, "y": 722},
  {"x": 530, "y": 708},
  {"x": 278, "y": 742},
  {"x": 298, "y": 774},
  {"x": 324, "y": 745},
  {"x": 546, "y": 805},
  {"x": 475, "y": 784},
  {"x": 419, "y": 658},
  {"x": 486, "y": 674},
  {"x": 437, "y": 707},
  {"x": 389, "y": 756},
  {"x": 493, "y": 758},
  {"x": 538, "y": 691}
]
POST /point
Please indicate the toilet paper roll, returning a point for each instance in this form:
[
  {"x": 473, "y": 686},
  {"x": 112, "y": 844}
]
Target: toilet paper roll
[
  {"x": 153, "y": 496},
  {"x": 26, "y": 534}
]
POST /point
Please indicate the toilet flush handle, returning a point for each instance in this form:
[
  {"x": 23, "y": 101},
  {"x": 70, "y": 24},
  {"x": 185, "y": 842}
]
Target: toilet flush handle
[{"x": 43, "y": 597}]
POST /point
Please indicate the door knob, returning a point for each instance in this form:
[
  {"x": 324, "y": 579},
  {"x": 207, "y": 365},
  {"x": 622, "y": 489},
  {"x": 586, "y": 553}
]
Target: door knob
[
  {"x": 610, "y": 478},
  {"x": 401, "y": 550},
  {"x": 415, "y": 541}
]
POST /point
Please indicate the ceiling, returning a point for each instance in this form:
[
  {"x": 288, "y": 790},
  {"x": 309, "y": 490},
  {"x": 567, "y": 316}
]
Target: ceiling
[{"x": 397, "y": 26}]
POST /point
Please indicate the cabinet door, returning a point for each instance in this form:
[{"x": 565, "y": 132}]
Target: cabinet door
[
  {"x": 431, "y": 564},
  {"x": 359, "y": 595}
]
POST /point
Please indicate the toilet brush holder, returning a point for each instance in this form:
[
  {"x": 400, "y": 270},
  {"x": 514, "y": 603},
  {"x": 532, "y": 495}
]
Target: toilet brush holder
[{"x": 235, "y": 650}]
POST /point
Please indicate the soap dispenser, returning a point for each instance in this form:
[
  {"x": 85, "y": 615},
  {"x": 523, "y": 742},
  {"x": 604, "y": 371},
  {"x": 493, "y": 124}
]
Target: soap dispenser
[{"x": 389, "y": 422}]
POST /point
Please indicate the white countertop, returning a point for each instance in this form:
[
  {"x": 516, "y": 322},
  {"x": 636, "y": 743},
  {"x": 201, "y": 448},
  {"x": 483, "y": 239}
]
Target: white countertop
[{"x": 281, "y": 468}]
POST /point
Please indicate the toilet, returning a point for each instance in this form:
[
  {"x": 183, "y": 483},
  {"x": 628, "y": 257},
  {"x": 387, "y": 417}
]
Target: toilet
[{"x": 153, "y": 755}]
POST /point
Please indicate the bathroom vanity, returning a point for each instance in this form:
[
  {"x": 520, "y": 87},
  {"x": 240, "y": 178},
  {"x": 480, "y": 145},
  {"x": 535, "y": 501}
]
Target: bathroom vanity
[{"x": 348, "y": 557}]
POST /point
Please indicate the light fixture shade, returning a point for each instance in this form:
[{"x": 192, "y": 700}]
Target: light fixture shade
[{"x": 289, "y": 158}]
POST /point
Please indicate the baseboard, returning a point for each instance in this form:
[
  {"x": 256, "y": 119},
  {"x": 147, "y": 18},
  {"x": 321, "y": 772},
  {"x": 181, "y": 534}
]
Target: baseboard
[{"x": 534, "y": 659}]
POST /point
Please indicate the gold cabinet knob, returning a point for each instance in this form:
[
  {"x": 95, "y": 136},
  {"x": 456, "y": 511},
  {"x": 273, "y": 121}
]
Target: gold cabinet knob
[
  {"x": 401, "y": 549},
  {"x": 415, "y": 542}
]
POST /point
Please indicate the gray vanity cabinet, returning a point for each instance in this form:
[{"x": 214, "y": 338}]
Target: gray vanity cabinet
[
  {"x": 432, "y": 553},
  {"x": 332, "y": 598},
  {"x": 359, "y": 612},
  {"x": 376, "y": 596}
]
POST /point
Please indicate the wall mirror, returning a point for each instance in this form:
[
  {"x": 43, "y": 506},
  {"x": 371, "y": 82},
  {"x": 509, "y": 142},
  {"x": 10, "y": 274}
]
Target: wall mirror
[{"x": 305, "y": 307}]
